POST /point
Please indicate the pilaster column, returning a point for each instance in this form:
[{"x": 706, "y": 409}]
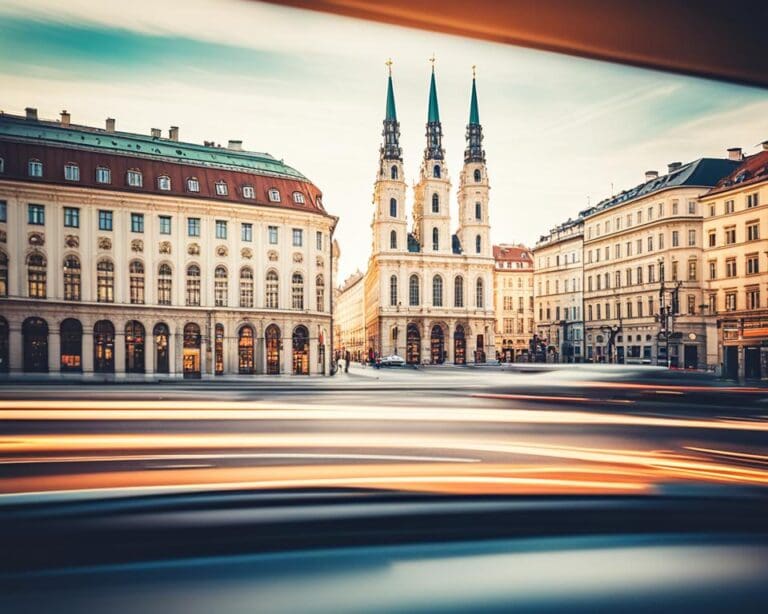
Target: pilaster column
[
  {"x": 176, "y": 357},
  {"x": 54, "y": 351},
  {"x": 86, "y": 357},
  {"x": 16, "y": 349},
  {"x": 119, "y": 352}
]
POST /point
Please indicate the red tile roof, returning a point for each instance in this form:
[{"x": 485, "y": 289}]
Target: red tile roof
[
  {"x": 512, "y": 253},
  {"x": 753, "y": 169}
]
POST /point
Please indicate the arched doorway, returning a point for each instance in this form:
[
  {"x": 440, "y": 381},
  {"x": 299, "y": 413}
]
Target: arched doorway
[
  {"x": 218, "y": 349},
  {"x": 161, "y": 333},
  {"x": 437, "y": 345},
  {"x": 35, "y": 332},
  {"x": 134, "y": 347},
  {"x": 104, "y": 347},
  {"x": 412, "y": 345},
  {"x": 245, "y": 352},
  {"x": 272, "y": 343},
  {"x": 191, "y": 356},
  {"x": 300, "y": 351},
  {"x": 5, "y": 354},
  {"x": 71, "y": 332},
  {"x": 459, "y": 346}
]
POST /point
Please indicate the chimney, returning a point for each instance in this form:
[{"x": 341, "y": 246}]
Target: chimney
[
  {"x": 173, "y": 133},
  {"x": 156, "y": 133},
  {"x": 235, "y": 145},
  {"x": 651, "y": 175},
  {"x": 734, "y": 153},
  {"x": 110, "y": 124},
  {"x": 31, "y": 113},
  {"x": 65, "y": 117},
  {"x": 673, "y": 166}
]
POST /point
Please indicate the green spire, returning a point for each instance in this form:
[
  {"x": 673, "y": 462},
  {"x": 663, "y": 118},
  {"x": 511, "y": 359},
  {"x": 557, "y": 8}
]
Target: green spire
[
  {"x": 434, "y": 111},
  {"x": 474, "y": 114},
  {"x": 391, "y": 111}
]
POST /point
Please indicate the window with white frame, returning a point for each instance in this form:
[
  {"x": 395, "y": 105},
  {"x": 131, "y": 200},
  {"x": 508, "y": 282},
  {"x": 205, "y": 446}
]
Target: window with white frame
[
  {"x": 103, "y": 174},
  {"x": 134, "y": 178},
  {"x": 193, "y": 184},
  {"x": 35, "y": 168},
  {"x": 298, "y": 198},
  {"x": 71, "y": 172},
  {"x": 164, "y": 183},
  {"x": 274, "y": 195},
  {"x": 221, "y": 188},
  {"x": 249, "y": 192}
]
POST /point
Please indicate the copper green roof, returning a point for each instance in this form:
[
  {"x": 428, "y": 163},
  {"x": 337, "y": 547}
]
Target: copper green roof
[
  {"x": 391, "y": 111},
  {"x": 434, "y": 111},
  {"x": 474, "y": 114},
  {"x": 145, "y": 146}
]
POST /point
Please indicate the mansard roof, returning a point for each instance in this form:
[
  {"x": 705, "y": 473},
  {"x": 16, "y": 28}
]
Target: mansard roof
[{"x": 753, "y": 169}]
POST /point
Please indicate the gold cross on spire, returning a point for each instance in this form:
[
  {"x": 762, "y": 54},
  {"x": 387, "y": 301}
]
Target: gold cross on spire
[
  {"x": 432, "y": 60},
  {"x": 389, "y": 65}
]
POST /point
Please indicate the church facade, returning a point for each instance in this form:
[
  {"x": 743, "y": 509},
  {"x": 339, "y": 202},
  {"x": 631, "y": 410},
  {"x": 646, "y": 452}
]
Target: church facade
[{"x": 428, "y": 292}]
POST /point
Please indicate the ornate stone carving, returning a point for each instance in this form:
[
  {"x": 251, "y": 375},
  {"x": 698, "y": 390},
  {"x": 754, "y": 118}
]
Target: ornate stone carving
[
  {"x": 137, "y": 245},
  {"x": 320, "y": 262},
  {"x": 165, "y": 247},
  {"x": 3, "y": 236},
  {"x": 222, "y": 250},
  {"x": 246, "y": 253},
  {"x": 36, "y": 238},
  {"x": 298, "y": 258},
  {"x": 193, "y": 249},
  {"x": 72, "y": 241},
  {"x": 104, "y": 243},
  {"x": 272, "y": 255}
]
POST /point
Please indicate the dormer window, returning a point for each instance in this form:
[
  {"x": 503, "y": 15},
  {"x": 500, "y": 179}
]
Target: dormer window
[
  {"x": 103, "y": 175},
  {"x": 221, "y": 188},
  {"x": 193, "y": 185},
  {"x": 298, "y": 198},
  {"x": 35, "y": 168},
  {"x": 71, "y": 172},
  {"x": 436, "y": 171},
  {"x": 249, "y": 192},
  {"x": 164, "y": 183},
  {"x": 135, "y": 178},
  {"x": 274, "y": 195}
]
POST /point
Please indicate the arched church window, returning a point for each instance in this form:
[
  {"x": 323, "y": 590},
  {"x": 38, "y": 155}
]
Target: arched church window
[
  {"x": 478, "y": 211},
  {"x": 393, "y": 172},
  {"x": 435, "y": 239},
  {"x": 393, "y": 239},
  {"x": 435, "y": 203},
  {"x": 478, "y": 244},
  {"x": 478, "y": 176},
  {"x": 392, "y": 207},
  {"x": 436, "y": 171}
]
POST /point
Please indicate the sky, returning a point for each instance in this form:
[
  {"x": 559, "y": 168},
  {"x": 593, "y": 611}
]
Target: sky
[{"x": 309, "y": 88}]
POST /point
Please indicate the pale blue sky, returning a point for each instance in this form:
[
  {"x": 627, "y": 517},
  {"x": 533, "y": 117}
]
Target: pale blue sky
[{"x": 310, "y": 88}]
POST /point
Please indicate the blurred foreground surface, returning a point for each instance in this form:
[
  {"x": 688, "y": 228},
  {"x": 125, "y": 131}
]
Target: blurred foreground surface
[{"x": 574, "y": 489}]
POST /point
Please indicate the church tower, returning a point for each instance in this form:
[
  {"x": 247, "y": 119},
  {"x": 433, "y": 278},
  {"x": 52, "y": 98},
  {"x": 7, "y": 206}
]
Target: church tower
[
  {"x": 390, "y": 232},
  {"x": 431, "y": 214},
  {"x": 474, "y": 225}
]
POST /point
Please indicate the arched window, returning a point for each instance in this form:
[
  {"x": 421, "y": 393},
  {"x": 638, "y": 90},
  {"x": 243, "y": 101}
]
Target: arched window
[
  {"x": 193, "y": 184},
  {"x": 393, "y": 172},
  {"x": 191, "y": 350},
  {"x": 164, "y": 183},
  {"x": 162, "y": 335},
  {"x": 272, "y": 290},
  {"x": 393, "y": 239},
  {"x": 35, "y": 168},
  {"x": 458, "y": 291},
  {"x": 34, "y": 332},
  {"x": 437, "y": 291},
  {"x": 435, "y": 203},
  {"x": 298, "y": 198},
  {"x": 72, "y": 278},
  {"x": 221, "y": 188},
  {"x": 436, "y": 171},
  {"x": 297, "y": 291},
  {"x": 103, "y": 174},
  {"x": 220, "y": 286},
  {"x": 71, "y": 172},
  {"x": 3, "y": 274},
  {"x": 136, "y": 272},
  {"x": 320, "y": 292},
  {"x": 37, "y": 276},
  {"x": 478, "y": 244},
  {"x": 134, "y": 346},
  {"x": 104, "y": 347},
  {"x": 193, "y": 286},
  {"x": 71, "y": 345},
  {"x": 392, "y": 207},
  {"x": 393, "y": 291},
  {"x": 105, "y": 281},
  {"x": 164, "y": 284},
  {"x": 245, "y": 353},
  {"x": 413, "y": 290},
  {"x": 435, "y": 239},
  {"x": 274, "y": 195},
  {"x": 479, "y": 294},
  {"x": 301, "y": 351},
  {"x": 478, "y": 211},
  {"x": 218, "y": 349},
  {"x": 246, "y": 287},
  {"x": 478, "y": 176},
  {"x": 134, "y": 178}
]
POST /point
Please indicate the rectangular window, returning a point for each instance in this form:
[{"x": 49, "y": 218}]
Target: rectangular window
[
  {"x": 712, "y": 238},
  {"x": 729, "y": 206},
  {"x": 661, "y": 209},
  {"x": 617, "y": 250},
  {"x": 165, "y": 224},
  {"x": 730, "y": 235},
  {"x": 650, "y": 243},
  {"x": 753, "y": 298},
  {"x": 103, "y": 175},
  {"x": 674, "y": 207},
  {"x": 730, "y": 301},
  {"x": 272, "y": 231},
  {"x": 639, "y": 217},
  {"x": 71, "y": 172},
  {"x": 319, "y": 240},
  {"x": 639, "y": 246},
  {"x": 71, "y": 217},
  {"x": 691, "y": 298},
  {"x": 135, "y": 179},
  {"x": 651, "y": 273},
  {"x": 661, "y": 240},
  {"x": 137, "y": 222},
  {"x": 193, "y": 226},
  {"x": 246, "y": 232},
  {"x": 35, "y": 168},
  {"x": 105, "y": 220},
  {"x": 730, "y": 267},
  {"x": 675, "y": 238},
  {"x": 691, "y": 238},
  {"x": 249, "y": 192},
  {"x": 752, "y": 200},
  {"x": 753, "y": 231},
  {"x": 692, "y": 266},
  {"x": 628, "y": 246},
  {"x": 3, "y": 211},
  {"x": 298, "y": 237},
  {"x": 36, "y": 215},
  {"x": 712, "y": 210},
  {"x": 713, "y": 269},
  {"x": 650, "y": 213},
  {"x": 692, "y": 207},
  {"x": 221, "y": 229},
  {"x": 753, "y": 264},
  {"x": 674, "y": 270}
]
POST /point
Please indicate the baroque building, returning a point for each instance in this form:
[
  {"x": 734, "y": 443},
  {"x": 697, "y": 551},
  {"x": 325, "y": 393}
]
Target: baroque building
[
  {"x": 428, "y": 293},
  {"x": 513, "y": 275},
  {"x": 736, "y": 266},
  {"x": 125, "y": 253},
  {"x": 559, "y": 293},
  {"x": 349, "y": 318}
]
